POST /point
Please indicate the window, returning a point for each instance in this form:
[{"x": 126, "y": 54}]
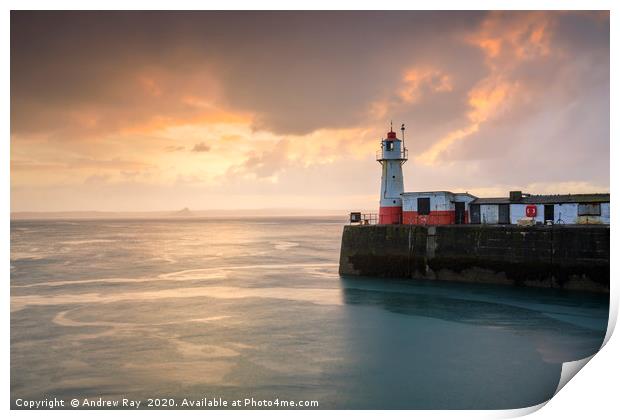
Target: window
[
  {"x": 389, "y": 146},
  {"x": 589, "y": 209},
  {"x": 424, "y": 206}
]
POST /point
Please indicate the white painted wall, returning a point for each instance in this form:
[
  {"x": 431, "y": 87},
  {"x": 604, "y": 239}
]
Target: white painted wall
[
  {"x": 396, "y": 152},
  {"x": 392, "y": 184},
  {"x": 605, "y": 213},
  {"x": 489, "y": 213},
  {"x": 440, "y": 201},
  {"x": 567, "y": 212}
]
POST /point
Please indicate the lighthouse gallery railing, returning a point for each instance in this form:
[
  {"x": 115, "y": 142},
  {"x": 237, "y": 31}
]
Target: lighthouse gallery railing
[{"x": 391, "y": 154}]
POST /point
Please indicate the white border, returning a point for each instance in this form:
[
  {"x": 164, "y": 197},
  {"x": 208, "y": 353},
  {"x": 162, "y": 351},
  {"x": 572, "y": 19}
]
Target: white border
[{"x": 593, "y": 394}]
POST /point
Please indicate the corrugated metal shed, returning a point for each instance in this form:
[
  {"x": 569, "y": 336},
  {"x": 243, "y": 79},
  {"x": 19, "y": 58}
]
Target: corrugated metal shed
[{"x": 547, "y": 199}]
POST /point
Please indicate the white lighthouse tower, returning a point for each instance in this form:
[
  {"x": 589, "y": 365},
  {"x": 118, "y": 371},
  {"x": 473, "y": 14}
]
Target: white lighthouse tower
[{"x": 392, "y": 156}]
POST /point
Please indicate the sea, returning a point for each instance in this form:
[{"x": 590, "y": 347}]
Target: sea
[{"x": 252, "y": 311}]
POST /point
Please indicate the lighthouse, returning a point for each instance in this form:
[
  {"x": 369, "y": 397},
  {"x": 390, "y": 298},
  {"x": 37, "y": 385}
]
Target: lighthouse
[{"x": 391, "y": 156}]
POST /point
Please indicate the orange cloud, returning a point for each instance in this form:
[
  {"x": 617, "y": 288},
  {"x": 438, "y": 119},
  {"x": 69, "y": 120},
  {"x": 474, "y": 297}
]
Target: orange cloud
[
  {"x": 150, "y": 86},
  {"x": 489, "y": 99},
  {"x": 162, "y": 122},
  {"x": 133, "y": 111},
  {"x": 492, "y": 46},
  {"x": 525, "y": 37},
  {"x": 417, "y": 79},
  {"x": 411, "y": 89},
  {"x": 506, "y": 41}
]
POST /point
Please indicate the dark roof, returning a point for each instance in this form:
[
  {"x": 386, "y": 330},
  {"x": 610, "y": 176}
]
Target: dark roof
[
  {"x": 547, "y": 199},
  {"x": 494, "y": 200},
  {"x": 436, "y": 192}
]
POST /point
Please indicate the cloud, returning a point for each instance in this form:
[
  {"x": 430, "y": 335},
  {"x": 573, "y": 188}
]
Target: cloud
[
  {"x": 201, "y": 147},
  {"x": 79, "y": 163},
  {"x": 96, "y": 180},
  {"x": 174, "y": 148},
  {"x": 264, "y": 164},
  {"x": 167, "y": 68},
  {"x": 505, "y": 41},
  {"x": 416, "y": 80},
  {"x": 489, "y": 99},
  {"x": 292, "y": 99},
  {"x": 531, "y": 71},
  {"x": 506, "y": 36}
]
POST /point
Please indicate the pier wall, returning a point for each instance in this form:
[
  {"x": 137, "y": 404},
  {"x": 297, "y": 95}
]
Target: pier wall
[{"x": 562, "y": 256}]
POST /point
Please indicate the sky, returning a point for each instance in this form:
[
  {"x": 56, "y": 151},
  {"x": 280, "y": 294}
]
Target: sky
[{"x": 141, "y": 111}]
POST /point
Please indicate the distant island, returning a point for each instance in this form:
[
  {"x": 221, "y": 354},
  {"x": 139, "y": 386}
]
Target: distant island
[{"x": 185, "y": 212}]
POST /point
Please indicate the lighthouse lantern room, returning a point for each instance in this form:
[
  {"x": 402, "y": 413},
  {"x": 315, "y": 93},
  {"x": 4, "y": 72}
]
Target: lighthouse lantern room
[{"x": 392, "y": 156}]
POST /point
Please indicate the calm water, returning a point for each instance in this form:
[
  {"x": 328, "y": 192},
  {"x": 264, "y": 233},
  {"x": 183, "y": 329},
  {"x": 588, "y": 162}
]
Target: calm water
[{"x": 255, "y": 308}]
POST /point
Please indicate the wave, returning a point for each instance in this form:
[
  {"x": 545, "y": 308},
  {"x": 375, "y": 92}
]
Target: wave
[
  {"x": 87, "y": 241},
  {"x": 184, "y": 275},
  {"x": 311, "y": 295}
]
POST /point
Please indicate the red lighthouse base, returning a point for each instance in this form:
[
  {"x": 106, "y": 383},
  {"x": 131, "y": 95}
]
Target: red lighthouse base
[{"x": 390, "y": 215}]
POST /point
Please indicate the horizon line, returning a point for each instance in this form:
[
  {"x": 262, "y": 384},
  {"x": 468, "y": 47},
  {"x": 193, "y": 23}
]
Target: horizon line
[{"x": 176, "y": 214}]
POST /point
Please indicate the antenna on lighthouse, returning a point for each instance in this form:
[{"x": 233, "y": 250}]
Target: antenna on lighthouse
[
  {"x": 402, "y": 129},
  {"x": 391, "y": 129}
]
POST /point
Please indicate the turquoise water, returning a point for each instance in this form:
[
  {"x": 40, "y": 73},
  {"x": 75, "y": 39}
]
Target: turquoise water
[{"x": 254, "y": 308}]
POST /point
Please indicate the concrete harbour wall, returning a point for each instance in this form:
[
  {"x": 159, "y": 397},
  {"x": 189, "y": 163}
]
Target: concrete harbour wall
[{"x": 568, "y": 256}]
